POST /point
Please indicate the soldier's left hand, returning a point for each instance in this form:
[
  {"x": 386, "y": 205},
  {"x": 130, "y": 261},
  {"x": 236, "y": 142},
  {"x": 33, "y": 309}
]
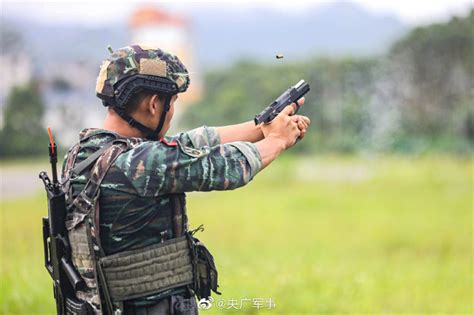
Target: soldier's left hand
[{"x": 303, "y": 123}]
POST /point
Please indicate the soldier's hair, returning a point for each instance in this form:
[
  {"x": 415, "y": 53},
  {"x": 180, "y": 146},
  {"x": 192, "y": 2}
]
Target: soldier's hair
[{"x": 136, "y": 99}]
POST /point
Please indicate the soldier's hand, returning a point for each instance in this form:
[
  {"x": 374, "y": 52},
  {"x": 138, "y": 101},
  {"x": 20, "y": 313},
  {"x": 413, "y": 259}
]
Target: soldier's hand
[
  {"x": 303, "y": 123},
  {"x": 284, "y": 128}
]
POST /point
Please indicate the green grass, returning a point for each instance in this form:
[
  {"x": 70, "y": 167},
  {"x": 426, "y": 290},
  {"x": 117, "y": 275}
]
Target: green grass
[{"x": 328, "y": 235}]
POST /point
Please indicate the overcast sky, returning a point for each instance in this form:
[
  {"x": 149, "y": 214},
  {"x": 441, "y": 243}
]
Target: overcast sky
[{"x": 93, "y": 13}]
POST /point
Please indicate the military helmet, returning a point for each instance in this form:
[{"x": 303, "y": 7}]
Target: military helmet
[{"x": 135, "y": 68}]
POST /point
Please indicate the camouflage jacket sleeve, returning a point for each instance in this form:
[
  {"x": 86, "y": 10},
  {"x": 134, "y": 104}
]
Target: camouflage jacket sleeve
[
  {"x": 198, "y": 138},
  {"x": 159, "y": 167}
]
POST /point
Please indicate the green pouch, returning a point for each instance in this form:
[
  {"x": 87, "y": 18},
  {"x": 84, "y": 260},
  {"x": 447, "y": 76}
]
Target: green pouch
[{"x": 205, "y": 271}]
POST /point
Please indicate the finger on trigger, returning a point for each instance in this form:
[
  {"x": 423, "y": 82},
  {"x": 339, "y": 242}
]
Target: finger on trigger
[
  {"x": 288, "y": 110},
  {"x": 295, "y": 107}
]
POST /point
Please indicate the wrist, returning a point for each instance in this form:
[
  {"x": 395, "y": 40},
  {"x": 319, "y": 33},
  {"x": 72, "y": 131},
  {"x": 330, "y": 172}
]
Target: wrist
[
  {"x": 258, "y": 131},
  {"x": 277, "y": 143},
  {"x": 269, "y": 148}
]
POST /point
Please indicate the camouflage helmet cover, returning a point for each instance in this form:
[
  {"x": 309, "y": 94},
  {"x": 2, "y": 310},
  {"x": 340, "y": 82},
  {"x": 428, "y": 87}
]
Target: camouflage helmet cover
[{"x": 138, "y": 59}]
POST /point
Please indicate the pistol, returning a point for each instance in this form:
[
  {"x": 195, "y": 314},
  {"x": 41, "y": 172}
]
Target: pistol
[{"x": 292, "y": 95}]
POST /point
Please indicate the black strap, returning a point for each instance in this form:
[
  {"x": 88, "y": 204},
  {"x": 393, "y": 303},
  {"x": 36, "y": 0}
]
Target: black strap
[
  {"x": 150, "y": 133},
  {"x": 166, "y": 108},
  {"x": 131, "y": 121},
  {"x": 79, "y": 168}
]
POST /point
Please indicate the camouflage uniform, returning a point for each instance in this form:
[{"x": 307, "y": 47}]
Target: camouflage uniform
[
  {"x": 134, "y": 198},
  {"x": 136, "y": 195}
]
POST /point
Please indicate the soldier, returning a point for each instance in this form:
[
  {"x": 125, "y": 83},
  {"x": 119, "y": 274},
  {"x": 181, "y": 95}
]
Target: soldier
[{"x": 134, "y": 253}]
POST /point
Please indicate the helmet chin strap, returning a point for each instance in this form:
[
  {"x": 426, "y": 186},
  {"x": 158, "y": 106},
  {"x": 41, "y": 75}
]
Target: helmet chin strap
[
  {"x": 150, "y": 133},
  {"x": 166, "y": 109}
]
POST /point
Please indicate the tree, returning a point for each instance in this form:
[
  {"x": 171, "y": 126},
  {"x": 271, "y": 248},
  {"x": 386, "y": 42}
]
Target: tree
[
  {"x": 23, "y": 133},
  {"x": 437, "y": 62}
]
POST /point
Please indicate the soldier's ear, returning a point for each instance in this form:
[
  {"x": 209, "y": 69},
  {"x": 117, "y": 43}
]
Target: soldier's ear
[{"x": 154, "y": 103}]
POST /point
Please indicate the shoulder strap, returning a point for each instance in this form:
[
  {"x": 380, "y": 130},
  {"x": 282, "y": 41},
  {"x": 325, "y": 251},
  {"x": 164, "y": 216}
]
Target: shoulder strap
[
  {"x": 79, "y": 168},
  {"x": 71, "y": 159},
  {"x": 85, "y": 202},
  {"x": 66, "y": 174},
  {"x": 86, "y": 209}
]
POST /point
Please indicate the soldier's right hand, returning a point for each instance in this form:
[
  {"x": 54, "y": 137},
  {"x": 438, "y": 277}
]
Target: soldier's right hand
[{"x": 283, "y": 130}]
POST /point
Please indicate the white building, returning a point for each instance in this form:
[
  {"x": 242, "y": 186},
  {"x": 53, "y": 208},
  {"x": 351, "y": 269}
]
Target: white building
[
  {"x": 17, "y": 70},
  {"x": 155, "y": 27}
]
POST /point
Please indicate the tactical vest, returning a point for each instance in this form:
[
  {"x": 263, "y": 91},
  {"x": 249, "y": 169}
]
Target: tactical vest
[{"x": 113, "y": 279}]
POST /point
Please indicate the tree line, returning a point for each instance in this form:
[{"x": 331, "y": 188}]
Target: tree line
[{"x": 416, "y": 98}]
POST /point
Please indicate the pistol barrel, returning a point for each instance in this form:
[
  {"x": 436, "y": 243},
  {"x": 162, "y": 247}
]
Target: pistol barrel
[{"x": 292, "y": 95}]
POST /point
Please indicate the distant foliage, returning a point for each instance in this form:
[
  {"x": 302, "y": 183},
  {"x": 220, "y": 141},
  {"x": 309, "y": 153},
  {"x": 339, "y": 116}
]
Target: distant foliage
[
  {"x": 417, "y": 98},
  {"x": 338, "y": 90},
  {"x": 438, "y": 62},
  {"x": 23, "y": 133}
]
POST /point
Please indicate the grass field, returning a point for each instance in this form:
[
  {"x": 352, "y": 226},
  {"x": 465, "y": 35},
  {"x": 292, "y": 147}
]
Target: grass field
[{"x": 323, "y": 235}]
